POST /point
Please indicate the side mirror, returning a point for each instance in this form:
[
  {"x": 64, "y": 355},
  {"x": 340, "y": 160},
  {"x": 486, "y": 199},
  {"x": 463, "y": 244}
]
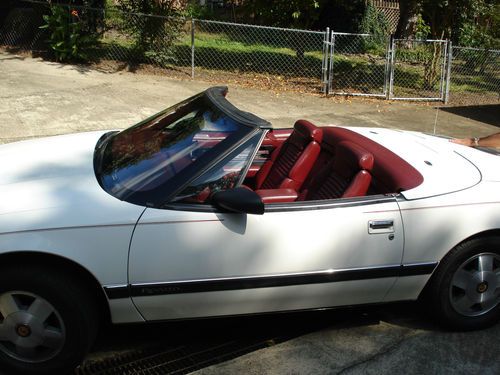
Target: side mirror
[{"x": 239, "y": 200}]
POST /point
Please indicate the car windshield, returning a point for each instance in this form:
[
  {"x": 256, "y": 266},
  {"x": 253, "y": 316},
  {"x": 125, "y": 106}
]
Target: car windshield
[{"x": 139, "y": 164}]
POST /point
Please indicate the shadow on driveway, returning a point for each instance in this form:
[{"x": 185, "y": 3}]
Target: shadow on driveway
[
  {"x": 489, "y": 114},
  {"x": 183, "y": 347}
]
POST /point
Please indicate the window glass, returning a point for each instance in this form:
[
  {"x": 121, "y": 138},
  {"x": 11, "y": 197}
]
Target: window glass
[
  {"x": 139, "y": 163},
  {"x": 225, "y": 175}
]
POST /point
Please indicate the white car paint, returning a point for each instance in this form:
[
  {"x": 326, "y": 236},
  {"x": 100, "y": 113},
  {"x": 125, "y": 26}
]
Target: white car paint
[
  {"x": 213, "y": 246},
  {"x": 52, "y": 203},
  {"x": 444, "y": 169}
]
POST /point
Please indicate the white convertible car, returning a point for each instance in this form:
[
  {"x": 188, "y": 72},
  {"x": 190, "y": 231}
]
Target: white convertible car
[{"x": 203, "y": 210}]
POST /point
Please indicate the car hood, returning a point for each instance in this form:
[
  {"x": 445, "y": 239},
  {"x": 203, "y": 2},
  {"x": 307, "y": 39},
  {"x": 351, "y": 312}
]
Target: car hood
[{"x": 50, "y": 183}]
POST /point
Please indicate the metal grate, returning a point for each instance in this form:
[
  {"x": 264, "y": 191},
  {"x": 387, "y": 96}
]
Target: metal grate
[{"x": 178, "y": 360}]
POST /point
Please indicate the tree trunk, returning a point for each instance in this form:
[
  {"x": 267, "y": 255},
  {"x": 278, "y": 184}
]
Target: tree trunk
[{"x": 408, "y": 10}]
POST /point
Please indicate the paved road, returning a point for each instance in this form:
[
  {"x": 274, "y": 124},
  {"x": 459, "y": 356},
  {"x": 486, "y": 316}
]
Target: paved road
[{"x": 39, "y": 98}]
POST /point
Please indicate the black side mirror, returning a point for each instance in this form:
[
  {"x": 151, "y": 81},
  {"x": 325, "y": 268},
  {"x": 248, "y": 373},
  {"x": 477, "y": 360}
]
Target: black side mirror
[{"x": 239, "y": 200}]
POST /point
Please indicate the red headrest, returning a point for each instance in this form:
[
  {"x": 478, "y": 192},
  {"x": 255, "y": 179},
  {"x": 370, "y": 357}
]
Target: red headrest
[
  {"x": 308, "y": 130},
  {"x": 330, "y": 137},
  {"x": 351, "y": 155}
]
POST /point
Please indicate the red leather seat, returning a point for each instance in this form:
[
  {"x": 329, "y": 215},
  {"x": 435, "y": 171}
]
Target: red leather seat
[
  {"x": 291, "y": 162},
  {"x": 347, "y": 175}
]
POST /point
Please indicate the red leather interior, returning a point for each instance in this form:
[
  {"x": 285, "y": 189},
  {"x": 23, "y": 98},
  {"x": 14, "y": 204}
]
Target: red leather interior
[
  {"x": 329, "y": 162},
  {"x": 301, "y": 149},
  {"x": 390, "y": 173},
  {"x": 277, "y": 195},
  {"x": 347, "y": 175}
]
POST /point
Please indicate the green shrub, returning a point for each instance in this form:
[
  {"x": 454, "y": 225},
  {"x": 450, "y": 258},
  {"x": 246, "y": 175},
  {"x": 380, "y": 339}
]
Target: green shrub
[
  {"x": 375, "y": 23},
  {"x": 153, "y": 25},
  {"x": 67, "y": 38}
]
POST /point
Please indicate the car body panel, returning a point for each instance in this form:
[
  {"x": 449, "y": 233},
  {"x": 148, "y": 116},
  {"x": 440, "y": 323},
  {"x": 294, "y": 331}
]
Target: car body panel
[
  {"x": 181, "y": 260},
  {"x": 51, "y": 203},
  {"x": 212, "y": 246},
  {"x": 436, "y": 225},
  {"x": 434, "y": 157}
]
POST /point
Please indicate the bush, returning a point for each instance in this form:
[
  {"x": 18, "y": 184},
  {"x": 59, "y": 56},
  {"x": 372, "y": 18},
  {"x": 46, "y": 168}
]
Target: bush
[
  {"x": 375, "y": 23},
  {"x": 154, "y": 26},
  {"x": 68, "y": 40}
]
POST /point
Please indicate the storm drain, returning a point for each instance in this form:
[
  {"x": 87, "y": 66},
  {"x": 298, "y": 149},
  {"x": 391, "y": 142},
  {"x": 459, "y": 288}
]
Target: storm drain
[{"x": 176, "y": 360}]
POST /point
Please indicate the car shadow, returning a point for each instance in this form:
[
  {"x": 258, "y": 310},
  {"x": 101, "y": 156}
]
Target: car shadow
[
  {"x": 488, "y": 114},
  {"x": 185, "y": 346}
]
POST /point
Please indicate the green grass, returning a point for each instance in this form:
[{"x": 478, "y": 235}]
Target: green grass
[{"x": 351, "y": 72}]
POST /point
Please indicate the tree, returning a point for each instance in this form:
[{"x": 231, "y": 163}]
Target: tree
[
  {"x": 286, "y": 13},
  {"x": 408, "y": 14},
  {"x": 154, "y": 25}
]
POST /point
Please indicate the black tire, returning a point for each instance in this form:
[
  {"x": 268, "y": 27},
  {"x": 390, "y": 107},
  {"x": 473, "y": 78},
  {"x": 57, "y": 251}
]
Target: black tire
[
  {"x": 48, "y": 303},
  {"x": 464, "y": 292}
]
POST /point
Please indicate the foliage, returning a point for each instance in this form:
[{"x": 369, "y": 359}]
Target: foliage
[
  {"x": 422, "y": 30},
  {"x": 285, "y": 13},
  {"x": 483, "y": 30},
  {"x": 195, "y": 10},
  {"x": 68, "y": 38},
  {"x": 154, "y": 33},
  {"x": 375, "y": 23}
]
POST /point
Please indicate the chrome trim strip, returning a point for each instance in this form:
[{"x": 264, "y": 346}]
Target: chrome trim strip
[
  {"x": 328, "y": 204},
  {"x": 117, "y": 291},
  {"x": 276, "y": 280}
]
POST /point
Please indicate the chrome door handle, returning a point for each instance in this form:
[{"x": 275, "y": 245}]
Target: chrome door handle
[{"x": 381, "y": 226}]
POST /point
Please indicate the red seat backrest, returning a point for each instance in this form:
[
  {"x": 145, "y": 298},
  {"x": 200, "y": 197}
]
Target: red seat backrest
[
  {"x": 390, "y": 173},
  {"x": 291, "y": 162},
  {"x": 347, "y": 174}
]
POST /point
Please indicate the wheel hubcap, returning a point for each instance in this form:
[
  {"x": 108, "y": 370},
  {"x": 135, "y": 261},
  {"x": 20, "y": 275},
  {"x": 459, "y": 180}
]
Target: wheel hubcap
[
  {"x": 31, "y": 330},
  {"x": 475, "y": 286},
  {"x": 23, "y": 330}
]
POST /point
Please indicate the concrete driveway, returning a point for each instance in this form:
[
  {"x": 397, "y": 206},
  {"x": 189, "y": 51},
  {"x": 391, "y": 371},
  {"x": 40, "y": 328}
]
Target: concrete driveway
[
  {"x": 40, "y": 98},
  {"x": 43, "y": 98}
]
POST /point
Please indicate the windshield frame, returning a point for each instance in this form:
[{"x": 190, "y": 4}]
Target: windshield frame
[{"x": 159, "y": 196}]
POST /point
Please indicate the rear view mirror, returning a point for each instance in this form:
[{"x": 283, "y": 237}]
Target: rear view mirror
[{"x": 239, "y": 200}]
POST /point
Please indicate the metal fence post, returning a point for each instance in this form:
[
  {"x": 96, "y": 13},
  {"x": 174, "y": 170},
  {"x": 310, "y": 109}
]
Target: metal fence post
[
  {"x": 444, "y": 60},
  {"x": 330, "y": 65},
  {"x": 324, "y": 62},
  {"x": 448, "y": 73},
  {"x": 387, "y": 67},
  {"x": 390, "y": 93},
  {"x": 192, "y": 47}
]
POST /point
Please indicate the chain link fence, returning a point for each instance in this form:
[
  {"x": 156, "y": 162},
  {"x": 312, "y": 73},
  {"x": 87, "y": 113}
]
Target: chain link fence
[
  {"x": 474, "y": 76},
  {"x": 275, "y": 58},
  {"x": 276, "y": 54},
  {"x": 358, "y": 65},
  {"x": 21, "y": 28},
  {"x": 418, "y": 69}
]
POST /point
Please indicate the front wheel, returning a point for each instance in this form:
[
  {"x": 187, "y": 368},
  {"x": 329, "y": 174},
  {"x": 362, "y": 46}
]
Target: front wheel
[
  {"x": 465, "y": 290},
  {"x": 47, "y": 321}
]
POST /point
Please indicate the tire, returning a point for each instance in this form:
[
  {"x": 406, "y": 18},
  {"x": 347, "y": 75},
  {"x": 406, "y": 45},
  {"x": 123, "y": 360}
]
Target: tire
[
  {"x": 48, "y": 321},
  {"x": 464, "y": 292}
]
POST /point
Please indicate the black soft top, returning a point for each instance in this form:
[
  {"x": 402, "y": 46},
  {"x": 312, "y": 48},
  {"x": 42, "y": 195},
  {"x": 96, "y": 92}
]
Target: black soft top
[{"x": 217, "y": 96}]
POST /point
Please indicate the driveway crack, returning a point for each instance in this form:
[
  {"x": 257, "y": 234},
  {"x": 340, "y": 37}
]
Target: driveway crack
[{"x": 387, "y": 349}]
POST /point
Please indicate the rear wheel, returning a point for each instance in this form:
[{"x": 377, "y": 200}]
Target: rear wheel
[
  {"x": 465, "y": 291},
  {"x": 47, "y": 321}
]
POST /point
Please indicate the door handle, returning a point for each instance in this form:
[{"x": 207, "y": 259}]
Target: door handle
[{"x": 381, "y": 226}]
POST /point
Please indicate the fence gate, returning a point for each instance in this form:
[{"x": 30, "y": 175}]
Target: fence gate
[
  {"x": 358, "y": 65},
  {"x": 418, "y": 69}
]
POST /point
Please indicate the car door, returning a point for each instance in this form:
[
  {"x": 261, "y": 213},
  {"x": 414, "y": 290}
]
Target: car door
[{"x": 187, "y": 263}]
